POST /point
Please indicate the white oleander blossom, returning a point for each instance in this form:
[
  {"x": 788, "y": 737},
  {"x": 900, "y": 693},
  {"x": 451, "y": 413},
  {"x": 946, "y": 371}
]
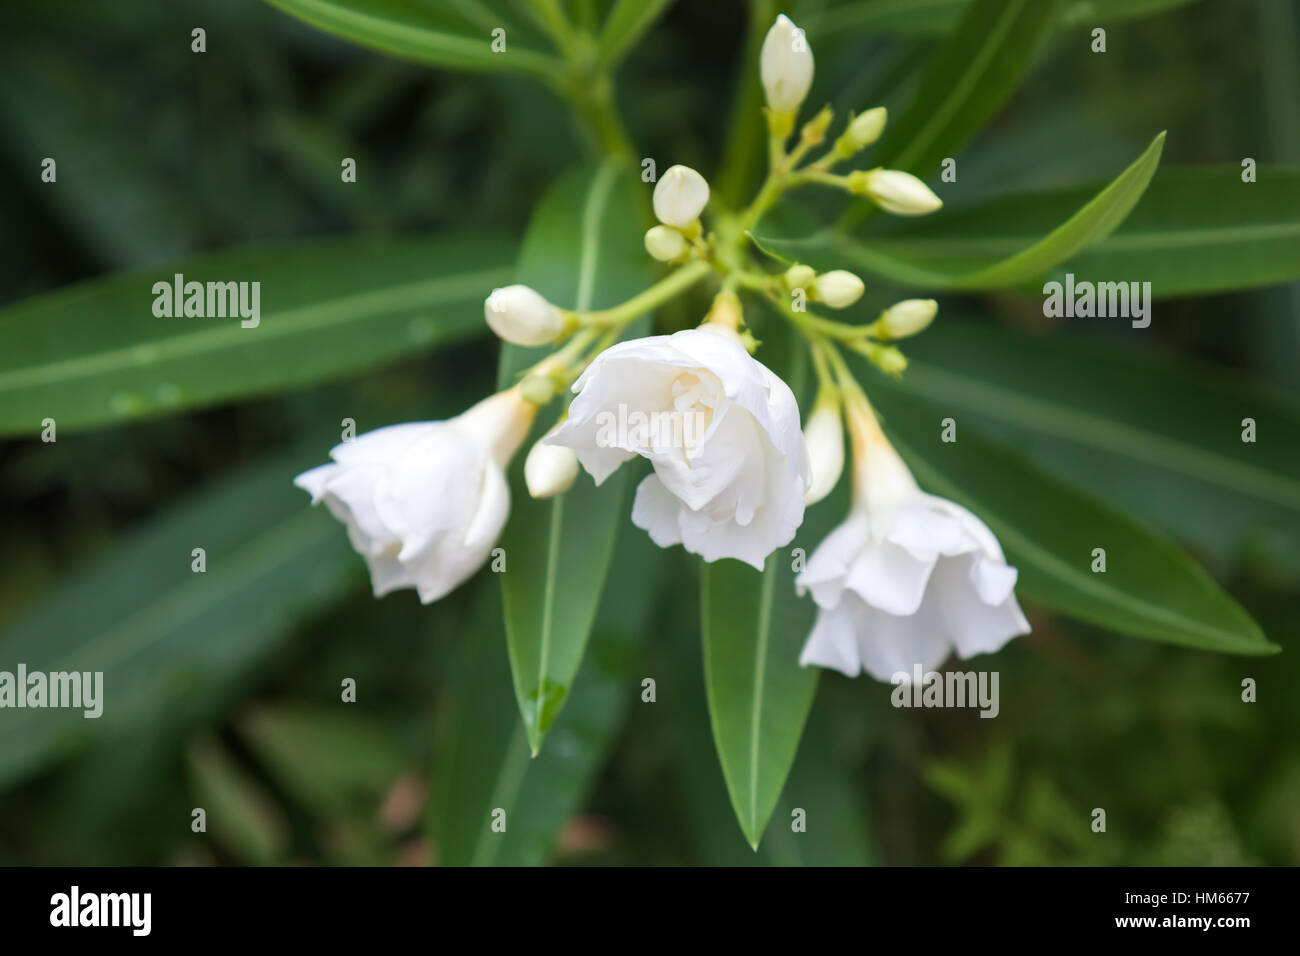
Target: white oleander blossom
[
  {"x": 785, "y": 66},
  {"x": 720, "y": 429},
  {"x": 907, "y": 578},
  {"x": 424, "y": 502}
]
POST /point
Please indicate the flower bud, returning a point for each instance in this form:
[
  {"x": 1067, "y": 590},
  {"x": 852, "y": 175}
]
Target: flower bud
[
  {"x": 824, "y": 440},
  {"x": 680, "y": 196},
  {"x": 864, "y": 130},
  {"x": 814, "y": 131},
  {"x": 519, "y": 315},
  {"x": 890, "y": 361},
  {"x": 839, "y": 289},
  {"x": 785, "y": 66},
  {"x": 907, "y": 318},
  {"x": 895, "y": 191},
  {"x": 665, "y": 243},
  {"x": 549, "y": 470},
  {"x": 800, "y": 277}
]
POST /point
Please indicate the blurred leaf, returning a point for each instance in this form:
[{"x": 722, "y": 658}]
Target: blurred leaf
[
  {"x": 456, "y": 34},
  {"x": 1154, "y": 434},
  {"x": 626, "y": 23},
  {"x": 583, "y": 250},
  {"x": 95, "y": 353},
  {"x": 1090, "y": 224},
  {"x": 940, "y": 16},
  {"x": 241, "y": 815},
  {"x": 329, "y": 760},
  {"x": 482, "y": 763},
  {"x": 1197, "y": 230},
  {"x": 169, "y": 641},
  {"x": 1049, "y": 530},
  {"x": 969, "y": 77}
]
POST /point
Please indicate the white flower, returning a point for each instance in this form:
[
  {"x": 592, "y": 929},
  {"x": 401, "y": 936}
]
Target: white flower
[
  {"x": 520, "y": 315},
  {"x": 680, "y": 196},
  {"x": 824, "y": 439},
  {"x": 907, "y": 318},
  {"x": 907, "y": 578},
  {"x": 721, "y": 430},
  {"x": 549, "y": 470},
  {"x": 786, "y": 66},
  {"x": 665, "y": 243},
  {"x": 424, "y": 502},
  {"x": 838, "y": 288},
  {"x": 895, "y": 191}
]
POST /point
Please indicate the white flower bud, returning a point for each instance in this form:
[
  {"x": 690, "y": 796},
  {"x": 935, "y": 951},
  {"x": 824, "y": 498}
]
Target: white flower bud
[
  {"x": 895, "y": 191},
  {"x": 907, "y": 318},
  {"x": 824, "y": 439},
  {"x": 863, "y": 131},
  {"x": 680, "y": 196},
  {"x": 786, "y": 66},
  {"x": 800, "y": 277},
  {"x": 839, "y": 289},
  {"x": 549, "y": 470},
  {"x": 665, "y": 243},
  {"x": 518, "y": 314}
]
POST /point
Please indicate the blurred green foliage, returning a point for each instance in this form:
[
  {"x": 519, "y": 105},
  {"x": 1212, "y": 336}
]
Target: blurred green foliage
[{"x": 163, "y": 153}]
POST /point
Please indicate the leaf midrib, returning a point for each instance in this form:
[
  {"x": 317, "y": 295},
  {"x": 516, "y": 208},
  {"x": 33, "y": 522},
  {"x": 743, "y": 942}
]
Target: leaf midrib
[{"x": 760, "y": 673}]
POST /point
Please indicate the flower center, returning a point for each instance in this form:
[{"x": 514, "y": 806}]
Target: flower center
[{"x": 694, "y": 403}]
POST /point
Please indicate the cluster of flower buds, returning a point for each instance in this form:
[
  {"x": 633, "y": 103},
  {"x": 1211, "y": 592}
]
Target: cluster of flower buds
[
  {"x": 838, "y": 288},
  {"x": 680, "y": 196}
]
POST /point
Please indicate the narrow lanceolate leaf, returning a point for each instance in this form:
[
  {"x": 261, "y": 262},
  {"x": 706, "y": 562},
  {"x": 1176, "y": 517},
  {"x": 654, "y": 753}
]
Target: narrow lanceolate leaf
[
  {"x": 1090, "y": 224},
  {"x": 98, "y": 353},
  {"x": 940, "y": 16},
  {"x": 969, "y": 77},
  {"x": 168, "y": 639},
  {"x": 492, "y": 805},
  {"x": 456, "y": 34},
  {"x": 1058, "y": 537},
  {"x": 1197, "y": 230},
  {"x": 754, "y": 625},
  {"x": 626, "y": 23},
  {"x": 583, "y": 250},
  {"x": 1159, "y": 436}
]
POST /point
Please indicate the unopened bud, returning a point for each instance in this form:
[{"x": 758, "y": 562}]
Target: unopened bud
[
  {"x": 518, "y": 314},
  {"x": 785, "y": 66},
  {"x": 680, "y": 196},
  {"x": 549, "y": 470},
  {"x": 824, "y": 440},
  {"x": 894, "y": 191},
  {"x": 665, "y": 243},
  {"x": 800, "y": 277},
  {"x": 814, "y": 131},
  {"x": 907, "y": 318},
  {"x": 862, "y": 132},
  {"x": 839, "y": 288}
]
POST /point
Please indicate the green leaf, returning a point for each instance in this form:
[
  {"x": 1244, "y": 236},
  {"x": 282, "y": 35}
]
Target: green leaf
[
  {"x": 241, "y": 815},
  {"x": 169, "y": 641},
  {"x": 96, "y": 354},
  {"x": 456, "y": 34},
  {"x": 482, "y": 763},
  {"x": 583, "y": 250},
  {"x": 969, "y": 77},
  {"x": 1092, "y": 223},
  {"x": 940, "y": 16},
  {"x": 1156, "y": 435},
  {"x": 626, "y": 23},
  {"x": 1197, "y": 230},
  {"x": 754, "y": 626},
  {"x": 1049, "y": 530}
]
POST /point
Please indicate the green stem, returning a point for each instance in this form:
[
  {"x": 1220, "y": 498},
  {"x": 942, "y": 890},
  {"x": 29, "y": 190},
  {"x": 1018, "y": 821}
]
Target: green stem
[{"x": 663, "y": 290}]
